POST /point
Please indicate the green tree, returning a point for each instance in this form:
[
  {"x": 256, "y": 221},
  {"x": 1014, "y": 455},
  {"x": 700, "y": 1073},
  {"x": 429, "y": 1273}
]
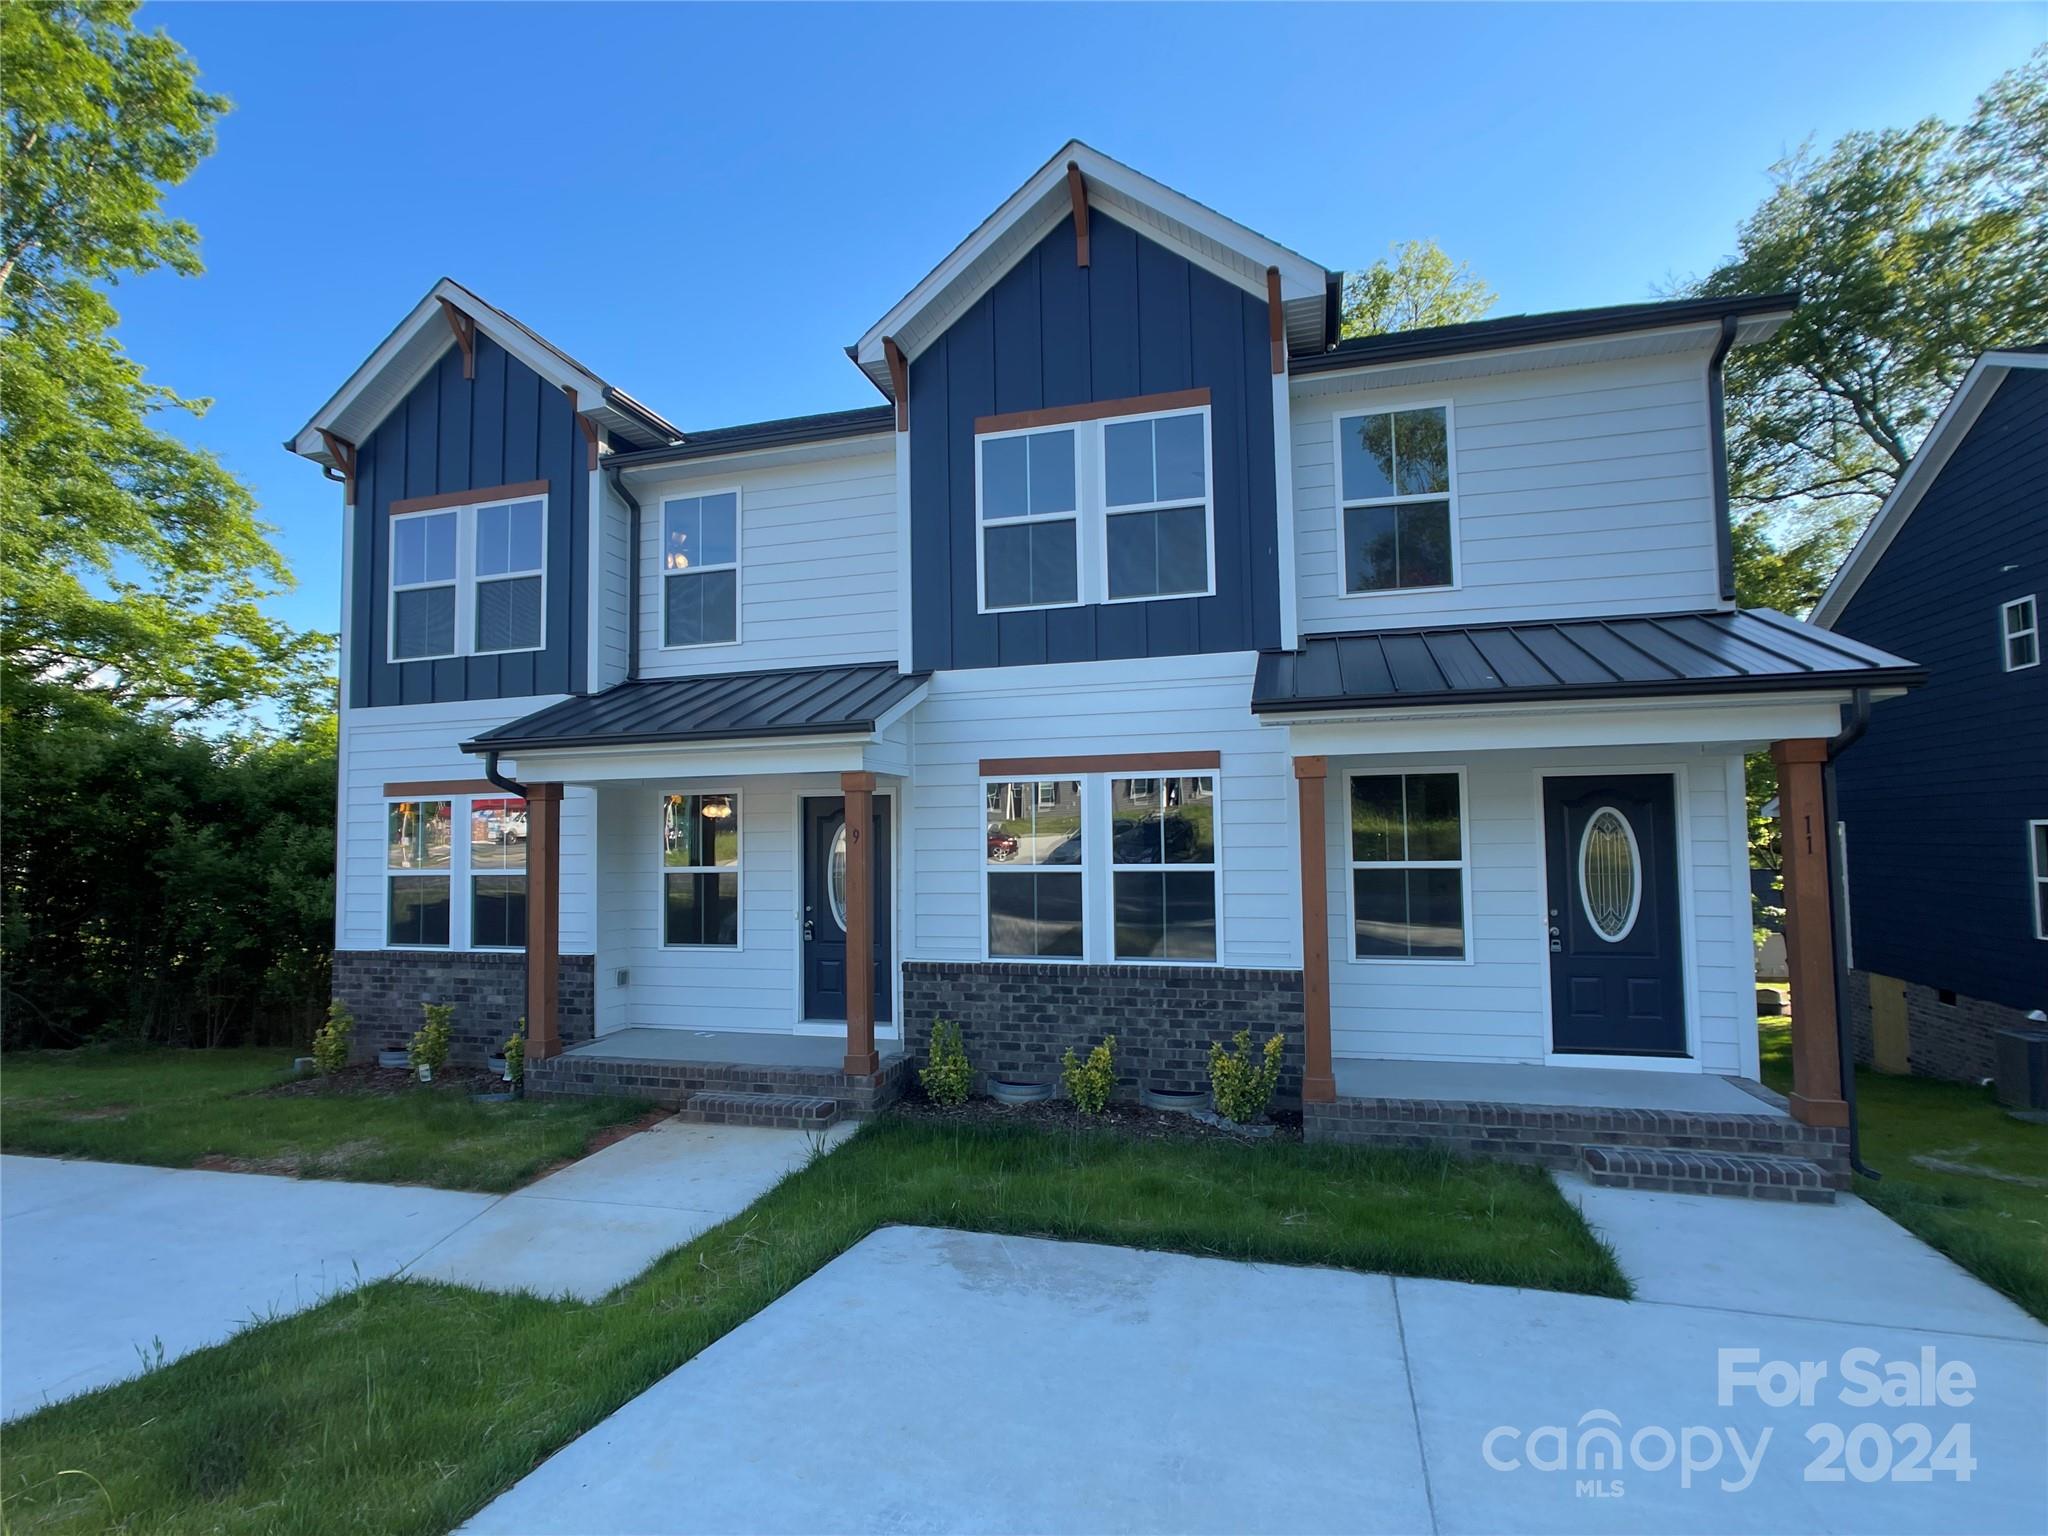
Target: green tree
[
  {"x": 1420, "y": 287},
  {"x": 131, "y": 563}
]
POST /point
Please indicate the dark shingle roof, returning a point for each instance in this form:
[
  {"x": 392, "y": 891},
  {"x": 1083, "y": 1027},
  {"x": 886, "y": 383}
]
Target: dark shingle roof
[
  {"x": 827, "y": 426},
  {"x": 1757, "y": 650},
  {"x": 733, "y": 706}
]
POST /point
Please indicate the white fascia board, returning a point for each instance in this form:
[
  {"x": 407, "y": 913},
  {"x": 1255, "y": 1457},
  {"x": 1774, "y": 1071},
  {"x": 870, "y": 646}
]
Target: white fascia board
[
  {"x": 902, "y": 707},
  {"x": 1411, "y": 373},
  {"x": 1936, "y": 449},
  {"x": 711, "y": 759}
]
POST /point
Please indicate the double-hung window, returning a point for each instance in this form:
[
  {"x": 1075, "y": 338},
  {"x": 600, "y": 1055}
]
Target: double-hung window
[
  {"x": 508, "y": 577},
  {"x": 423, "y": 585},
  {"x": 700, "y": 570},
  {"x": 497, "y": 874},
  {"x": 1399, "y": 524},
  {"x": 1155, "y": 506},
  {"x": 1030, "y": 519},
  {"x": 700, "y": 870},
  {"x": 1036, "y": 869},
  {"x": 468, "y": 580},
  {"x": 2037, "y": 852},
  {"x": 2019, "y": 626},
  {"x": 1408, "y": 866},
  {"x": 419, "y": 870},
  {"x": 1162, "y": 842}
]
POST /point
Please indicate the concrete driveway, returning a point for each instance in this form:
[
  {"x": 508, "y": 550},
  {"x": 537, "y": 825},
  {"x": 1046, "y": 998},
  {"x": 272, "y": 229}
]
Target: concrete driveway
[
  {"x": 105, "y": 1268},
  {"x": 937, "y": 1381}
]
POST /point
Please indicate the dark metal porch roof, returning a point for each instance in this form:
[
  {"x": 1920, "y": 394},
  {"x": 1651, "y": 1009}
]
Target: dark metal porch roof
[
  {"x": 732, "y": 706},
  {"x": 1757, "y": 650}
]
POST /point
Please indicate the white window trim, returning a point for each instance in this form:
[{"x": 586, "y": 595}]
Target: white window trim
[
  {"x": 663, "y": 869},
  {"x": 737, "y": 565},
  {"x": 2034, "y": 829},
  {"x": 465, "y": 582},
  {"x": 991, "y": 867},
  {"x": 1092, "y": 512},
  {"x": 461, "y": 874},
  {"x": 1337, "y": 420},
  {"x": 474, "y": 874},
  {"x": 1462, "y": 863},
  {"x": 2006, "y": 636},
  {"x": 1214, "y": 867}
]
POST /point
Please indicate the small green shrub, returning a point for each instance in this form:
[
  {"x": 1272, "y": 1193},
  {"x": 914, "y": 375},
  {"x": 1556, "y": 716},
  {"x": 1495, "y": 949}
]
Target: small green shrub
[
  {"x": 515, "y": 1058},
  {"x": 947, "y": 1076},
  {"x": 429, "y": 1048},
  {"x": 331, "y": 1040},
  {"x": 1090, "y": 1083},
  {"x": 1242, "y": 1081}
]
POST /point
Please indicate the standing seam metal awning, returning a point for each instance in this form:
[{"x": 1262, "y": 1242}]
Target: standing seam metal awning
[
  {"x": 1757, "y": 650},
  {"x": 732, "y": 706}
]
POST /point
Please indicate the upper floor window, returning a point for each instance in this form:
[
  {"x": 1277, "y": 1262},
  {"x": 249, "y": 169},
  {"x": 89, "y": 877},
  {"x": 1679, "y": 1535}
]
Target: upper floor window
[
  {"x": 2020, "y": 629},
  {"x": 700, "y": 569},
  {"x": 2037, "y": 851},
  {"x": 468, "y": 581},
  {"x": 1110, "y": 510},
  {"x": 1399, "y": 507}
]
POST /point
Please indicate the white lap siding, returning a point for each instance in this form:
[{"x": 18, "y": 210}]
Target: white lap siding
[
  {"x": 421, "y": 743},
  {"x": 1495, "y": 1008}
]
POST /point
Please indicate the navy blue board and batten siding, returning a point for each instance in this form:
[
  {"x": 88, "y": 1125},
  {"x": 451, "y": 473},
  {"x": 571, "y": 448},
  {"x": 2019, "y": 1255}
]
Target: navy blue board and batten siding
[
  {"x": 1138, "y": 320},
  {"x": 1936, "y": 797},
  {"x": 506, "y": 426}
]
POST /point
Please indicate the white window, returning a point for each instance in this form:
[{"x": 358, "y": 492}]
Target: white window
[
  {"x": 469, "y": 580},
  {"x": 497, "y": 873},
  {"x": 700, "y": 870},
  {"x": 2020, "y": 628},
  {"x": 1409, "y": 869},
  {"x": 419, "y": 860},
  {"x": 1162, "y": 849},
  {"x": 1037, "y": 870},
  {"x": 1399, "y": 502},
  {"x": 2037, "y": 846},
  {"x": 426, "y": 864},
  {"x": 1113, "y": 510},
  {"x": 700, "y": 570}
]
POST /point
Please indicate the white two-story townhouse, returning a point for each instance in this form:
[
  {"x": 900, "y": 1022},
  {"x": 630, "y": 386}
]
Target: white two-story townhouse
[{"x": 1148, "y": 662}]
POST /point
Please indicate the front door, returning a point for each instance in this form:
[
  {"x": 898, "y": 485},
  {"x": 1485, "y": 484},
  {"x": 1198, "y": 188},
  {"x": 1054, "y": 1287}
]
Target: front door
[
  {"x": 824, "y": 916},
  {"x": 1616, "y": 974}
]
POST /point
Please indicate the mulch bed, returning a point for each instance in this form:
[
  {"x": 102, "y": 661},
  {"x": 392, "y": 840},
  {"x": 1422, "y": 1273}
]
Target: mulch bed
[
  {"x": 366, "y": 1079},
  {"x": 1133, "y": 1120}
]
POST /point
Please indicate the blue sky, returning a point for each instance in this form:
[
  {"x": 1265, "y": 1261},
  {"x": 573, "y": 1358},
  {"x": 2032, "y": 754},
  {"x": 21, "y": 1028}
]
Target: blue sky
[{"x": 707, "y": 204}]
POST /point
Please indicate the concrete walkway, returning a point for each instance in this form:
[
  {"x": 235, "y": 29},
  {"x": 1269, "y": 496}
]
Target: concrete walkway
[
  {"x": 932, "y": 1381},
  {"x": 103, "y": 1264}
]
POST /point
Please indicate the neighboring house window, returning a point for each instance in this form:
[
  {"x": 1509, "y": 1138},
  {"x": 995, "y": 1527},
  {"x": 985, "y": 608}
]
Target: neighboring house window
[
  {"x": 700, "y": 565},
  {"x": 508, "y": 577},
  {"x": 497, "y": 874},
  {"x": 1163, "y": 867},
  {"x": 1399, "y": 519},
  {"x": 1030, "y": 520},
  {"x": 423, "y": 585},
  {"x": 1408, "y": 866},
  {"x": 1036, "y": 869},
  {"x": 2037, "y": 842},
  {"x": 1155, "y": 498},
  {"x": 468, "y": 581},
  {"x": 418, "y": 866},
  {"x": 2020, "y": 626},
  {"x": 700, "y": 870}
]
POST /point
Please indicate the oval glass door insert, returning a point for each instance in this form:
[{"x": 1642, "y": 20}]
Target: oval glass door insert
[
  {"x": 1610, "y": 874},
  {"x": 835, "y": 877}
]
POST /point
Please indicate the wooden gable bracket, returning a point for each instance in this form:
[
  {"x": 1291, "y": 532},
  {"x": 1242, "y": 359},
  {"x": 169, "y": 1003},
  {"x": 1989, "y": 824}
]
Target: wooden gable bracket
[
  {"x": 343, "y": 452},
  {"x": 465, "y": 336},
  {"x": 899, "y": 381},
  {"x": 584, "y": 425},
  {"x": 1077, "y": 189},
  {"x": 1276, "y": 324}
]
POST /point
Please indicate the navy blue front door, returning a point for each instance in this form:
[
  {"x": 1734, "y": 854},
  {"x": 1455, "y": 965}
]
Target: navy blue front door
[
  {"x": 824, "y": 930},
  {"x": 1616, "y": 972}
]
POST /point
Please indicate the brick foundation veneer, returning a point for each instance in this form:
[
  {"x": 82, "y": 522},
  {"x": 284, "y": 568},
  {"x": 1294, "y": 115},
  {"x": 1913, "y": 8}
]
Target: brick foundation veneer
[
  {"x": 1957, "y": 1041},
  {"x": 1017, "y": 1017},
  {"x": 384, "y": 988},
  {"x": 672, "y": 1083}
]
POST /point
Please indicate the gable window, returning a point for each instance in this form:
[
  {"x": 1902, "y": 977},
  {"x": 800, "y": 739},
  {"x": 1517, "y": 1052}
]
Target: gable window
[
  {"x": 1036, "y": 869},
  {"x": 1408, "y": 866},
  {"x": 1030, "y": 520},
  {"x": 2020, "y": 628},
  {"x": 508, "y": 577},
  {"x": 468, "y": 580},
  {"x": 700, "y": 870},
  {"x": 497, "y": 874},
  {"x": 2037, "y": 847},
  {"x": 1398, "y": 514},
  {"x": 700, "y": 566},
  {"x": 1163, "y": 867},
  {"x": 1155, "y": 499},
  {"x": 418, "y": 869},
  {"x": 423, "y": 585}
]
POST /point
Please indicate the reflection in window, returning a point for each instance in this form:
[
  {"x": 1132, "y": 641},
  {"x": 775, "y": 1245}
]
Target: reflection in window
[
  {"x": 1395, "y": 469},
  {"x": 423, "y": 585},
  {"x": 700, "y": 565},
  {"x": 1030, "y": 556},
  {"x": 497, "y": 874},
  {"x": 1155, "y": 502},
  {"x": 1035, "y": 869},
  {"x": 1407, "y": 867},
  {"x": 419, "y": 837},
  {"x": 1163, "y": 867},
  {"x": 700, "y": 856}
]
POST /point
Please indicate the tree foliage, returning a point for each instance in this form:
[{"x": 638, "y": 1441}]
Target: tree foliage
[
  {"x": 1420, "y": 287},
  {"x": 130, "y": 562}
]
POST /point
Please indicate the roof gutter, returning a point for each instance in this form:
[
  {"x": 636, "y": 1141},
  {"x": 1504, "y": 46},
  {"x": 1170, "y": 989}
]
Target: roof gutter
[
  {"x": 1838, "y": 880},
  {"x": 1724, "y": 527},
  {"x": 510, "y": 786},
  {"x": 618, "y": 481}
]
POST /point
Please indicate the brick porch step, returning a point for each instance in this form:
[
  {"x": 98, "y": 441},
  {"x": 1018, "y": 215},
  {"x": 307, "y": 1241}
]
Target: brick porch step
[
  {"x": 1686, "y": 1171},
  {"x": 784, "y": 1111}
]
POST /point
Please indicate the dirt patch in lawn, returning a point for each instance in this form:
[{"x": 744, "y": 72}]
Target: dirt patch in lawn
[
  {"x": 368, "y": 1080},
  {"x": 1133, "y": 1120},
  {"x": 102, "y": 1112}
]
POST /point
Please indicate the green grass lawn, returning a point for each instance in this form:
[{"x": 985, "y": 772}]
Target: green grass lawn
[
  {"x": 175, "y": 1108},
  {"x": 404, "y": 1407},
  {"x": 1986, "y": 1203}
]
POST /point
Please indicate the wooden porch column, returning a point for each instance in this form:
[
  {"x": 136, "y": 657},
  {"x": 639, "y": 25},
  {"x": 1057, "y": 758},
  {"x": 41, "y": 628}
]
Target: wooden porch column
[
  {"x": 543, "y": 918},
  {"x": 1809, "y": 933},
  {"x": 1318, "y": 1080},
  {"x": 859, "y": 789}
]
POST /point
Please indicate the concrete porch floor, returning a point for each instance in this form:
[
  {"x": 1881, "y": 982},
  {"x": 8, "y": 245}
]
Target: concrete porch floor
[
  {"x": 727, "y": 1047},
  {"x": 1568, "y": 1087}
]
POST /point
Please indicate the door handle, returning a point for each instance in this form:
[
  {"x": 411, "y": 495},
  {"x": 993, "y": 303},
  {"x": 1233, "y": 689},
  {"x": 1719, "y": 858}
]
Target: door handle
[{"x": 808, "y": 934}]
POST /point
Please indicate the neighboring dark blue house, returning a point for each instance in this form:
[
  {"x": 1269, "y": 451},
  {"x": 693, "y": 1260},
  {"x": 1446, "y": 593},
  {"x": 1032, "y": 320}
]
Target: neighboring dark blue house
[{"x": 1944, "y": 803}]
